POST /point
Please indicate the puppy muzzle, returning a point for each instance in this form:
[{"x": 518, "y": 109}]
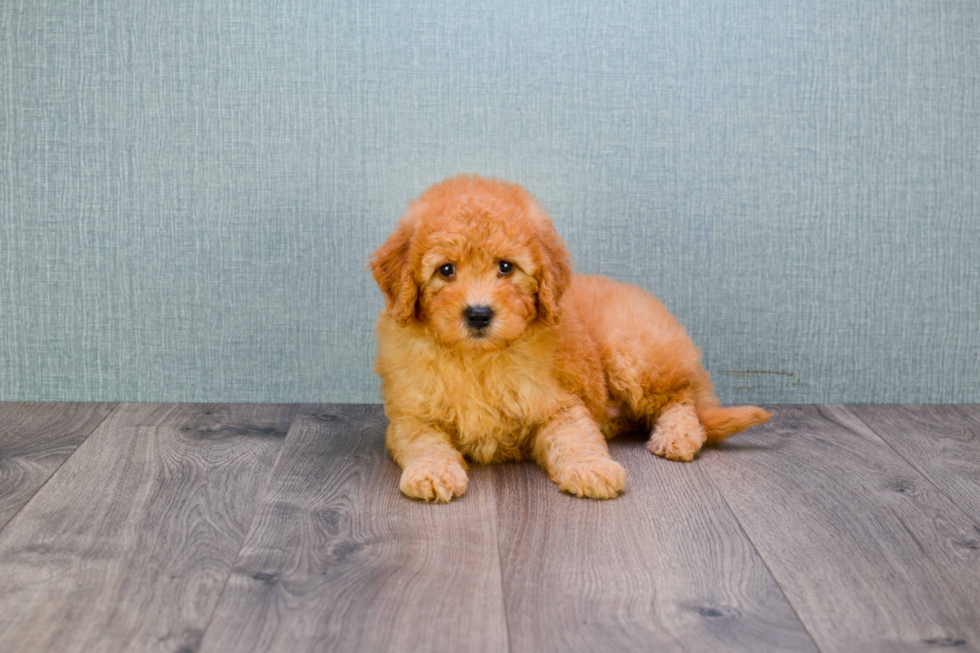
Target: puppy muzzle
[{"x": 478, "y": 317}]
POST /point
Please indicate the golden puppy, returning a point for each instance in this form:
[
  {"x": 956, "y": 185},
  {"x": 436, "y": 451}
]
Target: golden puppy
[{"x": 491, "y": 349}]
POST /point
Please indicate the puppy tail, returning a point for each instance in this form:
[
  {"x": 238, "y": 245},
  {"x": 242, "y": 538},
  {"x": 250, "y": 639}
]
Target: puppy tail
[{"x": 719, "y": 423}]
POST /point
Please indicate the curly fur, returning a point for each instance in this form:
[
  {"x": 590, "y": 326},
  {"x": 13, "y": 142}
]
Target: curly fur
[{"x": 567, "y": 361}]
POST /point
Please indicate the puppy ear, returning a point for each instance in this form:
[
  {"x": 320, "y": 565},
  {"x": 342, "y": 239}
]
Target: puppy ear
[
  {"x": 554, "y": 274},
  {"x": 392, "y": 269}
]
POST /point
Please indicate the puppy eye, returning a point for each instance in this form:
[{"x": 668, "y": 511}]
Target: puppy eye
[
  {"x": 505, "y": 267},
  {"x": 448, "y": 270}
]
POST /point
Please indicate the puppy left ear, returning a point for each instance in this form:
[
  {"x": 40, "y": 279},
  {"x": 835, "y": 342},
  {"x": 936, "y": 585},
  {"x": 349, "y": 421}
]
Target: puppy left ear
[
  {"x": 554, "y": 275},
  {"x": 392, "y": 269}
]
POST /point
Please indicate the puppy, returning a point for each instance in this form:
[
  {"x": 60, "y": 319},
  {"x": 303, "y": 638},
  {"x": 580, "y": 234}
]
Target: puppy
[{"x": 491, "y": 349}]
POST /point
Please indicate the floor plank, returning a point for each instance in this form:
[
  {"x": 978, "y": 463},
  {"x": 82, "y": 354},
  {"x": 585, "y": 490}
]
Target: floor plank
[
  {"x": 35, "y": 440},
  {"x": 338, "y": 560},
  {"x": 128, "y": 545},
  {"x": 663, "y": 567},
  {"x": 870, "y": 554},
  {"x": 941, "y": 441}
]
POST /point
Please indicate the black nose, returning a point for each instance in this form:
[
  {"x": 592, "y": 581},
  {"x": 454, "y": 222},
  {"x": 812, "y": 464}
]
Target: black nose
[{"x": 478, "y": 317}]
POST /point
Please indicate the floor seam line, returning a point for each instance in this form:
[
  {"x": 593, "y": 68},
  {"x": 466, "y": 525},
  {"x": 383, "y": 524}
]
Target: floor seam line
[
  {"x": 111, "y": 412},
  {"x": 251, "y": 523},
  {"x": 500, "y": 560},
  {"x": 915, "y": 467},
  {"x": 762, "y": 558}
]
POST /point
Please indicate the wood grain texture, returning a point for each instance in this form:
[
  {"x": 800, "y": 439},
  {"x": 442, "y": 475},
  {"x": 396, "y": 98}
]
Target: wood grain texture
[
  {"x": 128, "y": 545},
  {"x": 338, "y": 560},
  {"x": 941, "y": 441},
  {"x": 870, "y": 554},
  {"x": 664, "y": 567},
  {"x": 35, "y": 440}
]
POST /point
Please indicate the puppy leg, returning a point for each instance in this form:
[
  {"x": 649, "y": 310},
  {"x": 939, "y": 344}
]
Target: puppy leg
[
  {"x": 574, "y": 453},
  {"x": 678, "y": 434},
  {"x": 432, "y": 468}
]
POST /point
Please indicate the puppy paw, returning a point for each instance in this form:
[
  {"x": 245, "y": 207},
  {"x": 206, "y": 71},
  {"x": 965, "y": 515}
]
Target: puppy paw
[
  {"x": 680, "y": 449},
  {"x": 676, "y": 444},
  {"x": 596, "y": 479},
  {"x": 437, "y": 481}
]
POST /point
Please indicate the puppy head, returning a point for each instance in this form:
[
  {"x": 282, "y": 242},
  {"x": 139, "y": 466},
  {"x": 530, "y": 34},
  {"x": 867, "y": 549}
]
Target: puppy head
[{"x": 476, "y": 260}]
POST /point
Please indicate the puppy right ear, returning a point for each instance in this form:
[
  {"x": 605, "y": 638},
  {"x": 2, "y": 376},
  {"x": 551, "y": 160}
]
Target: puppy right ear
[
  {"x": 555, "y": 268},
  {"x": 392, "y": 269}
]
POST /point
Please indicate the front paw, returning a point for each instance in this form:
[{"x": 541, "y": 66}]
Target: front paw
[
  {"x": 596, "y": 479},
  {"x": 437, "y": 481}
]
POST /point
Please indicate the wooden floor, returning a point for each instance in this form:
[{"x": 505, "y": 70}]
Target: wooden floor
[{"x": 187, "y": 528}]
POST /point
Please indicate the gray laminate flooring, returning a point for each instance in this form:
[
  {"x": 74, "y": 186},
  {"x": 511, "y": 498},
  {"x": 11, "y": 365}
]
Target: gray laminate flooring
[{"x": 186, "y": 528}]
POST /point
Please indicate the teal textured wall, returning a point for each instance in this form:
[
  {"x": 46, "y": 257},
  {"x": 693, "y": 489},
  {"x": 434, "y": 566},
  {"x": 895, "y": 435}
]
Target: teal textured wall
[{"x": 189, "y": 191}]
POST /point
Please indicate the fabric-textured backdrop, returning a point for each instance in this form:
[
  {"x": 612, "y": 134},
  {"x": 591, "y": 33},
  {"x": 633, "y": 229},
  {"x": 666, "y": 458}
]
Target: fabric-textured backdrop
[{"x": 189, "y": 191}]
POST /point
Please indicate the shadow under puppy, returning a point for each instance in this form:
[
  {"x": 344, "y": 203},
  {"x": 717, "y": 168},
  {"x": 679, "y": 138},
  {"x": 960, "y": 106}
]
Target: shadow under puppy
[{"x": 491, "y": 349}]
